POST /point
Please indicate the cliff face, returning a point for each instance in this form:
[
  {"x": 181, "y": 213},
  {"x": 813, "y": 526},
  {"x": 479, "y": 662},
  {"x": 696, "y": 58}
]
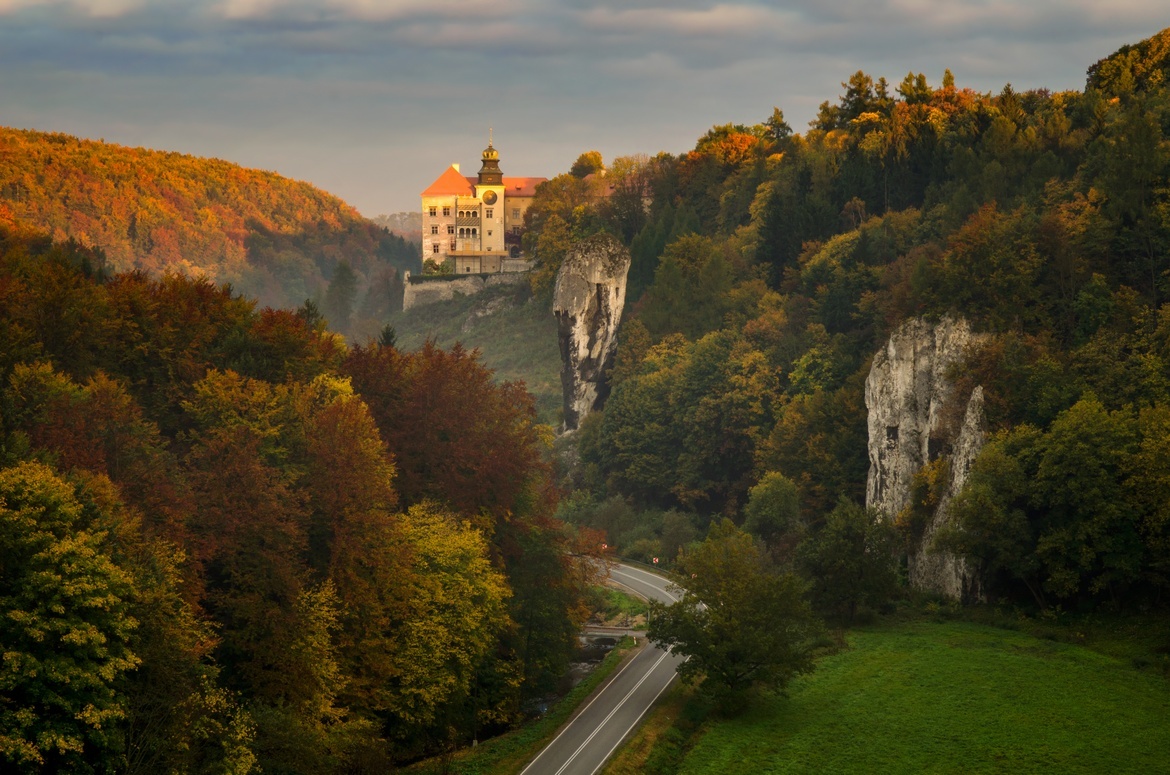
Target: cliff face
[
  {"x": 587, "y": 301},
  {"x": 907, "y": 394}
]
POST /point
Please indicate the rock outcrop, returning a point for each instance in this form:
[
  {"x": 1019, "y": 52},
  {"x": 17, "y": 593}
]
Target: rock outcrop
[
  {"x": 913, "y": 421},
  {"x": 588, "y": 298}
]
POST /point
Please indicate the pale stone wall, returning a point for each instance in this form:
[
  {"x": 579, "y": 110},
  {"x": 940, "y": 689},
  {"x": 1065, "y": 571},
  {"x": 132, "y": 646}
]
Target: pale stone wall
[{"x": 417, "y": 294}]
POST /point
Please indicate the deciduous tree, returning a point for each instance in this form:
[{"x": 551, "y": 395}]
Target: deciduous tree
[{"x": 740, "y": 621}]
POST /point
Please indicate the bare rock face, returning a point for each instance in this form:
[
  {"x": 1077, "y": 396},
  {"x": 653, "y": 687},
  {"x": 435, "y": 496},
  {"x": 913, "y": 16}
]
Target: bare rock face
[
  {"x": 907, "y": 395},
  {"x": 587, "y": 301}
]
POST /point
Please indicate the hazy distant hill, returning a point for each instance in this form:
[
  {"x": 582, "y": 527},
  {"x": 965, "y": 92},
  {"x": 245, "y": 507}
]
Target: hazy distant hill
[
  {"x": 405, "y": 225},
  {"x": 276, "y": 239}
]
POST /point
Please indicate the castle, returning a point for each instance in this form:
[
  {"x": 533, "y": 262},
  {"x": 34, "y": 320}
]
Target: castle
[{"x": 474, "y": 224}]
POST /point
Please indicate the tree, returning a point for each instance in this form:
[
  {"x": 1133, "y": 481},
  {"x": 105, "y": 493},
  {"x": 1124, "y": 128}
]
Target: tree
[
  {"x": 990, "y": 515},
  {"x": 778, "y": 130},
  {"x": 740, "y": 622},
  {"x": 388, "y": 337},
  {"x": 66, "y": 628},
  {"x": 773, "y": 512},
  {"x": 456, "y": 610},
  {"x": 851, "y": 561},
  {"x": 587, "y": 164},
  {"x": 340, "y": 296}
]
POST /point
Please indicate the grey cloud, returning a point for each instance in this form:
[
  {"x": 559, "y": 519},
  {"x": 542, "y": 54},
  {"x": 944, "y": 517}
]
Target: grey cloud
[{"x": 308, "y": 87}]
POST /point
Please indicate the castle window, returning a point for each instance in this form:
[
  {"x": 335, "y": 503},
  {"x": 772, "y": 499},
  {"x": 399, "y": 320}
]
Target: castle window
[
  {"x": 435, "y": 248},
  {"x": 489, "y": 213},
  {"x": 446, "y": 212},
  {"x": 434, "y": 229},
  {"x": 475, "y": 232},
  {"x": 434, "y": 211},
  {"x": 515, "y": 212},
  {"x": 489, "y": 232},
  {"x": 452, "y": 244},
  {"x": 450, "y": 229}
]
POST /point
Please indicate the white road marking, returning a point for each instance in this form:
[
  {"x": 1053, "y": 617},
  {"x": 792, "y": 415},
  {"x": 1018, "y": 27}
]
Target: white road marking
[
  {"x": 616, "y": 708},
  {"x": 569, "y": 726},
  {"x": 635, "y": 723},
  {"x": 657, "y": 580}
]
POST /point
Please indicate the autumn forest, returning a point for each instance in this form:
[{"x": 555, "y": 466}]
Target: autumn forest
[{"x": 242, "y": 530}]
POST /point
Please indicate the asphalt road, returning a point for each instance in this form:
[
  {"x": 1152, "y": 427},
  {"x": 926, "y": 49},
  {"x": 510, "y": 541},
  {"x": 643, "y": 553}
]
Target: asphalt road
[{"x": 587, "y": 741}]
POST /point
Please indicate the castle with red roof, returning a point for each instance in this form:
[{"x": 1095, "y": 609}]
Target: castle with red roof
[{"x": 474, "y": 224}]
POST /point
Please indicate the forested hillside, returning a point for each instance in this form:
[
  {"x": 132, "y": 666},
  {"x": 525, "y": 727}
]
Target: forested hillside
[
  {"x": 232, "y": 544},
  {"x": 769, "y": 266},
  {"x": 277, "y": 240}
]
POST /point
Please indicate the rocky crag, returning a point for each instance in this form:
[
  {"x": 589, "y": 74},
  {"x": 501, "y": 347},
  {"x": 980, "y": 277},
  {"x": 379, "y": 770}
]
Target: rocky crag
[
  {"x": 588, "y": 298},
  {"x": 915, "y": 421}
]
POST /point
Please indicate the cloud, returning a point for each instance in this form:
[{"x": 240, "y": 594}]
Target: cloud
[
  {"x": 294, "y": 84},
  {"x": 97, "y": 9}
]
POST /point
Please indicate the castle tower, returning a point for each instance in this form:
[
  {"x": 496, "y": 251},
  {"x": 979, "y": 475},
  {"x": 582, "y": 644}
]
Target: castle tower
[
  {"x": 489, "y": 173},
  {"x": 490, "y": 191}
]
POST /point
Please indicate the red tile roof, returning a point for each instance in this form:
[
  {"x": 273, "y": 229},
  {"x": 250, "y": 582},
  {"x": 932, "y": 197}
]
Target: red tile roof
[
  {"x": 451, "y": 183},
  {"x": 521, "y": 186}
]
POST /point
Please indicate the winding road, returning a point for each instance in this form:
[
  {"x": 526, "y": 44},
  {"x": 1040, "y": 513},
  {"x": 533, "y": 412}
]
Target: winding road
[{"x": 585, "y": 743}]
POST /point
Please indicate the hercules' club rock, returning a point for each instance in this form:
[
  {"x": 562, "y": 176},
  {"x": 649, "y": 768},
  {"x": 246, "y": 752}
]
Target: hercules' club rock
[
  {"x": 587, "y": 301},
  {"x": 916, "y": 420}
]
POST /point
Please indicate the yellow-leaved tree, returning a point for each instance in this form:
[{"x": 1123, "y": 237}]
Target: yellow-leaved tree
[{"x": 457, "y": 610}]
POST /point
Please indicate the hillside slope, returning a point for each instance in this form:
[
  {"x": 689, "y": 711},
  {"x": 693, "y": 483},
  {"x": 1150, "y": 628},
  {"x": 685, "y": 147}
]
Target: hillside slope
[
  {"x": 273, "y": 238},
  {"x": 515, "y": 335}
]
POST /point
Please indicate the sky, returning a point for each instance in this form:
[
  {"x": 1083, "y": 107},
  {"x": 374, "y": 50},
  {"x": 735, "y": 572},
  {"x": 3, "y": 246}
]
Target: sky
[{"x": 372, "y": 99}]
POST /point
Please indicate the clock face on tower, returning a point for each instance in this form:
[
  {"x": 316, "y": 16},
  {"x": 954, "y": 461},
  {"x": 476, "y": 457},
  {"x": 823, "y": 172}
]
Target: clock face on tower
[{"x": 489, "y": 198}]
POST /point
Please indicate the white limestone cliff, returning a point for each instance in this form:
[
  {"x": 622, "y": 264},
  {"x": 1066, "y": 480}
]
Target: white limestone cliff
[
  {"x": 906, "y": 395},
  {"x": 588, "y": 298}
]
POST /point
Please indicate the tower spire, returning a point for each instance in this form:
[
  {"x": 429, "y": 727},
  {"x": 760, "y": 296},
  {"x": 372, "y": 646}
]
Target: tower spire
[{"x": 489, "y": 173}]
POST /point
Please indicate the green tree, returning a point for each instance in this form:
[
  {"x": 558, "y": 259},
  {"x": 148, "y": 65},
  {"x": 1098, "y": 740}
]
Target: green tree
[
  {"x": 991, "y": 524},
  {"x": 66, "y": 628},
  {"x": 772, "y": 513},
  {"x": 778, "y": 130},
  {"x": 740, "y": 622},
  {"x": 1090, "y": 537},
  {"x": 851, "y": 561},
  {"x": 340, "y": 296}
]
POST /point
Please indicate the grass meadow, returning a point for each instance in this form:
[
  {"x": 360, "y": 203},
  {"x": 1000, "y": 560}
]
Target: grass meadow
[{"x": 949, "y": 697}]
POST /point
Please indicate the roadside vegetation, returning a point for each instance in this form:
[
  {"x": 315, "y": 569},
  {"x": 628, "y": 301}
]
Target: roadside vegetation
[
  {"x": 510, "y": 752},
  {"x": 616, "y": 608}
]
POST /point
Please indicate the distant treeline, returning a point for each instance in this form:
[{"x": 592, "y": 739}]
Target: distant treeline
[
  {"x": 229, "y": 543},
  {"x": 277, "y": 240},
  {"x": 769, "y": 266}
]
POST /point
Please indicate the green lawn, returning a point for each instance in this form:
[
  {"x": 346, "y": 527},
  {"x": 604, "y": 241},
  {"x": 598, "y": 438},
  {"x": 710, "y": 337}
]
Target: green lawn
[{"x": 951, "y": 698}]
